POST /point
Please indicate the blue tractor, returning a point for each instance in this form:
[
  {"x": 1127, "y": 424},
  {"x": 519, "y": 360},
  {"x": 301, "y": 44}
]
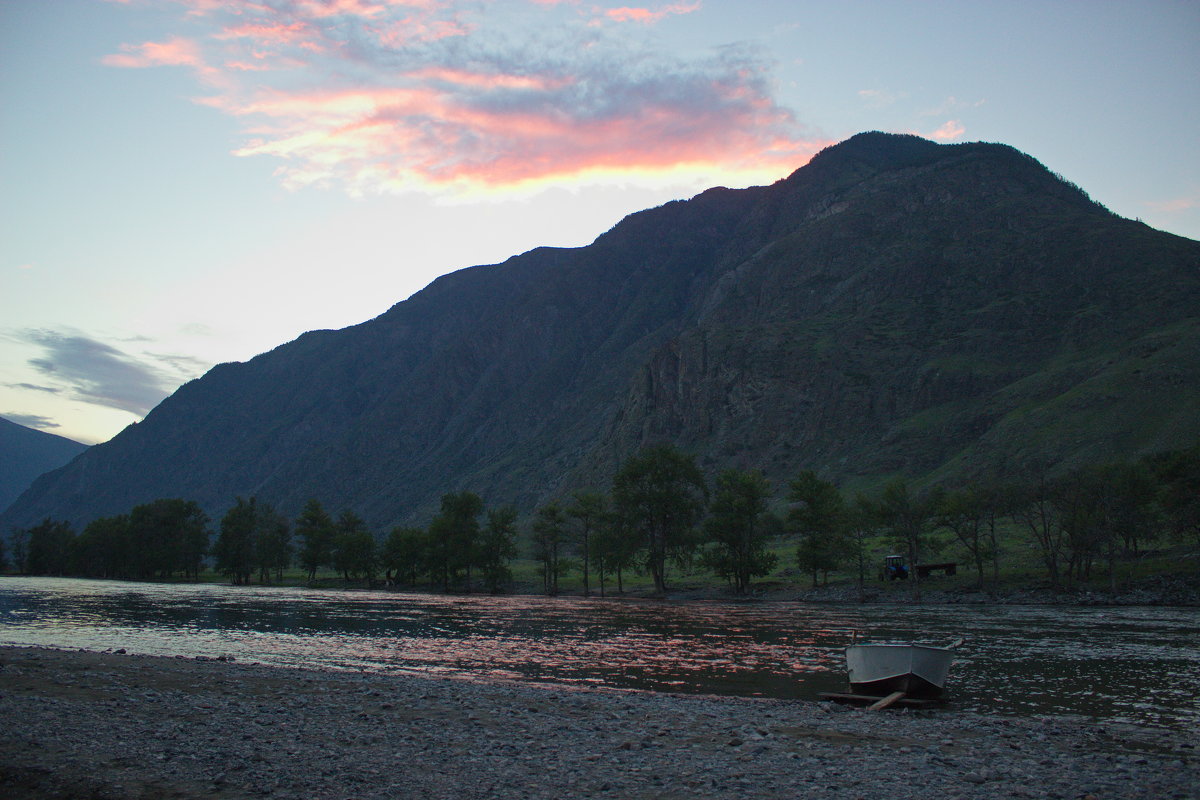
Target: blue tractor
[{"x": 894, "y": 569}]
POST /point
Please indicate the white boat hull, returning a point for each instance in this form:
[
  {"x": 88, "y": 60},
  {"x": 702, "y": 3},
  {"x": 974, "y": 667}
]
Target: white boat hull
[{"x": 916, "y": 670}]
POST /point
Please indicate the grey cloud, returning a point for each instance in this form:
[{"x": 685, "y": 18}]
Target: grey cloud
[
  {"x": 98, "y": 373},
  {"x": 34, "y": 388},
  {"x": 35, "y": 421}
]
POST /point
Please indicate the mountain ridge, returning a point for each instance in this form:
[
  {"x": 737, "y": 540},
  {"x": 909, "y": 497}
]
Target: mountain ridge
[
  {"x": 891, "y": 307},
  {"x": 26, "y": 453}
]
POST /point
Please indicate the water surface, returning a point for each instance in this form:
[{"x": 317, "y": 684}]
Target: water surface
[{"x": 1130, "y": 664}]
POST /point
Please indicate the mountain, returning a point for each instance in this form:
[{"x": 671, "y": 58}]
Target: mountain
[
  {"x": 26, "y": 453},
  {"x": 893, "y": 307}
]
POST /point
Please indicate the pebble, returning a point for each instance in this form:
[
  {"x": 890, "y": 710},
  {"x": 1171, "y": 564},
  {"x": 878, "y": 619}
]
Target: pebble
[{"x": 202, "y": 728}]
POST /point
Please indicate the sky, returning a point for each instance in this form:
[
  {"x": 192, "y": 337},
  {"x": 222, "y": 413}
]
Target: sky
[{"x": 189, "y": 182}]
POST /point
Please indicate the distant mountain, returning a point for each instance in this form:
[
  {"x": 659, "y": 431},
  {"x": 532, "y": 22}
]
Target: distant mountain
[
  {"x": 26, "y": 453},
  {"x": 894, "y": 307}
]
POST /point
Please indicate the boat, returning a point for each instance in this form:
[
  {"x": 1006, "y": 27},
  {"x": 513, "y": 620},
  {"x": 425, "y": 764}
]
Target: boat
[{"x": 916, "y": 670}]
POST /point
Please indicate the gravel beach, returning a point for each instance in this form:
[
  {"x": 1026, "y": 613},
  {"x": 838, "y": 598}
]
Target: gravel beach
[{"x": 112, "y": 725}]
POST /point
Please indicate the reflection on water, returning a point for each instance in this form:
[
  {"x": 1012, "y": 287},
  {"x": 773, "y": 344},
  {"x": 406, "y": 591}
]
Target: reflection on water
[{"x": 1128, "y": 664}]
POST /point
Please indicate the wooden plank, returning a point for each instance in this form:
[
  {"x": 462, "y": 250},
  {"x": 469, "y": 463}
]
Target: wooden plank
[
  {"x": 866, "y": 700},
  {"x": 885, "y": 702}
]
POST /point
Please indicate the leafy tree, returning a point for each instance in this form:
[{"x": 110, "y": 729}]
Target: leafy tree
[
  {"x": 234, "y": 548},
  {"x": 454, "y": 535},
  {"x": 591, "y": 514},
  {"x": 1035, "y": 508},
  {"x": 316, "y": 530},
  {"x": 497, "y": 547},
  {"x": 20, "y": 549},
  {"x": 818, "y": 516},
  {"x": 614, "y": 549},
  {"x": 166, "y": 536},
  {"x": 970, "y": 514},
  {"x": 404, "y": 554},
  {"x": 737, "y": 530},
  {"x": 102, "y": 550},
  {"x": 353, "y": 548},
  {"x": 1106, "y": 510},
  {"x": 549, "y": 532},
  {"x": 272, "y": 543},
  {"x": 906, "y": 517},
  {"x": 660, "y": 494},
  {"x": 1130, "y": 505},
  {"x": 859, "y": 526},
  {"x": 50, "y": 543},
  {"x": 1178, "y": 476}
]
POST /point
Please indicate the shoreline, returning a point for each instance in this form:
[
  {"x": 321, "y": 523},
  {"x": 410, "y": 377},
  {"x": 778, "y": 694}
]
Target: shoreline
[
  {"x": 109, "y": 725},
  {"x": 1175, "y": 590}
]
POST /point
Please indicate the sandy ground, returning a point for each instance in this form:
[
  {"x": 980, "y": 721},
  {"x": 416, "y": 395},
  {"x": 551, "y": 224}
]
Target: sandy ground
[{"x": 112, "y": 725}]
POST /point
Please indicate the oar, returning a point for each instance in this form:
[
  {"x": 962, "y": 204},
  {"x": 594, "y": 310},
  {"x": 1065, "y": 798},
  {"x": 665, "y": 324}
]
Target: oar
[{"x": 879, "y": 705}]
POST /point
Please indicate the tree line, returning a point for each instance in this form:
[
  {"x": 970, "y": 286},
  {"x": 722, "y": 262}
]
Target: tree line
[{"x": 659, "y": 514}]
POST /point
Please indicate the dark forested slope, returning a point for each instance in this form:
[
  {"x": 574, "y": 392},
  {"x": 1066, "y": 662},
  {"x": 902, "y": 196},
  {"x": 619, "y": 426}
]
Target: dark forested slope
[{"x": 895, "y": 306}]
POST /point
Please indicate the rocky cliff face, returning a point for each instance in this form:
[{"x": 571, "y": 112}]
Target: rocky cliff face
[
  {"x": 895, "y": 306},
  {"x": 962, "y": 314}
]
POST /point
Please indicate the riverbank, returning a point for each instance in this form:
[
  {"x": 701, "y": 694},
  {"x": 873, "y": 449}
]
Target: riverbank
[
  {"x": 1157, "y": 590},
  {"x": 110, "y": 725}
]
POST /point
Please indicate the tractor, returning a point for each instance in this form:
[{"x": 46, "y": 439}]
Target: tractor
[{"x": 894, "y": 569}]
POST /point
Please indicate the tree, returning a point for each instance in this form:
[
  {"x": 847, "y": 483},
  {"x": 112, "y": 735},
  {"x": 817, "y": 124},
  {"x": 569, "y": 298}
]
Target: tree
[
  {"x": 818, "y": 516},
  {"x": 353, "y": 548},
  {"x": 859, "y": 526},
  {"x": 590, "y": 512},
  {"x": 1178, "y": 476},
  {"x": 1108, "y": 510},
  {"x": 906, "y": 518},
  {"x": 166, "y": 536},
  {"x": 969, "y": 515},
  {"x": 614, "y": 549},
  {"x": 272, "y": 543},
  {"x": 660, "y": 495},
  {"x": 50, "y": 543},
  {"x": 735, "y": 527},
  {"x": 234, "y": 548},
  {"x": 1076, "y": 497},
  {"x": 102, "y": 550},
  {"x": 497, "y": 546},
  {"x": 1034, "y": 507},
  {"x": 20, "y": 549},
  {"x": 404, "y": 554},
  {"x": 316, "y": 531},
  {"x": 549, "y": 528},
  {"x": 453, "y": 536}
]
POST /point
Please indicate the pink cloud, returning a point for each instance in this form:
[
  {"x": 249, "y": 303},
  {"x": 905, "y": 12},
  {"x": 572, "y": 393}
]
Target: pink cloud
[
  {"x": 628, "y": 14},
  {"x": 1175, "y": 205},
  {"x": 175, "y": 52},
  {"x": 367, "y": 96},
  {"x": 276, "y": 34},
  {"x": 951, "y": 130}
]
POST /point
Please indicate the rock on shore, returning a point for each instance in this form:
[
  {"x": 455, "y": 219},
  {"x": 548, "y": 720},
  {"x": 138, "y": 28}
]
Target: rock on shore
[{"x": 106, "y": 725}]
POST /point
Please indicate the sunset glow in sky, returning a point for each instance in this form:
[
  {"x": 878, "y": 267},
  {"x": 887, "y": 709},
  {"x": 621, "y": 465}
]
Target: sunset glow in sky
[{"x": 186, "y": 182}]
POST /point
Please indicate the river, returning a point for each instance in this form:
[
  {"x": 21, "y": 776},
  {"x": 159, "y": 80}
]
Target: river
[{"x": 1127, "y": 664}]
